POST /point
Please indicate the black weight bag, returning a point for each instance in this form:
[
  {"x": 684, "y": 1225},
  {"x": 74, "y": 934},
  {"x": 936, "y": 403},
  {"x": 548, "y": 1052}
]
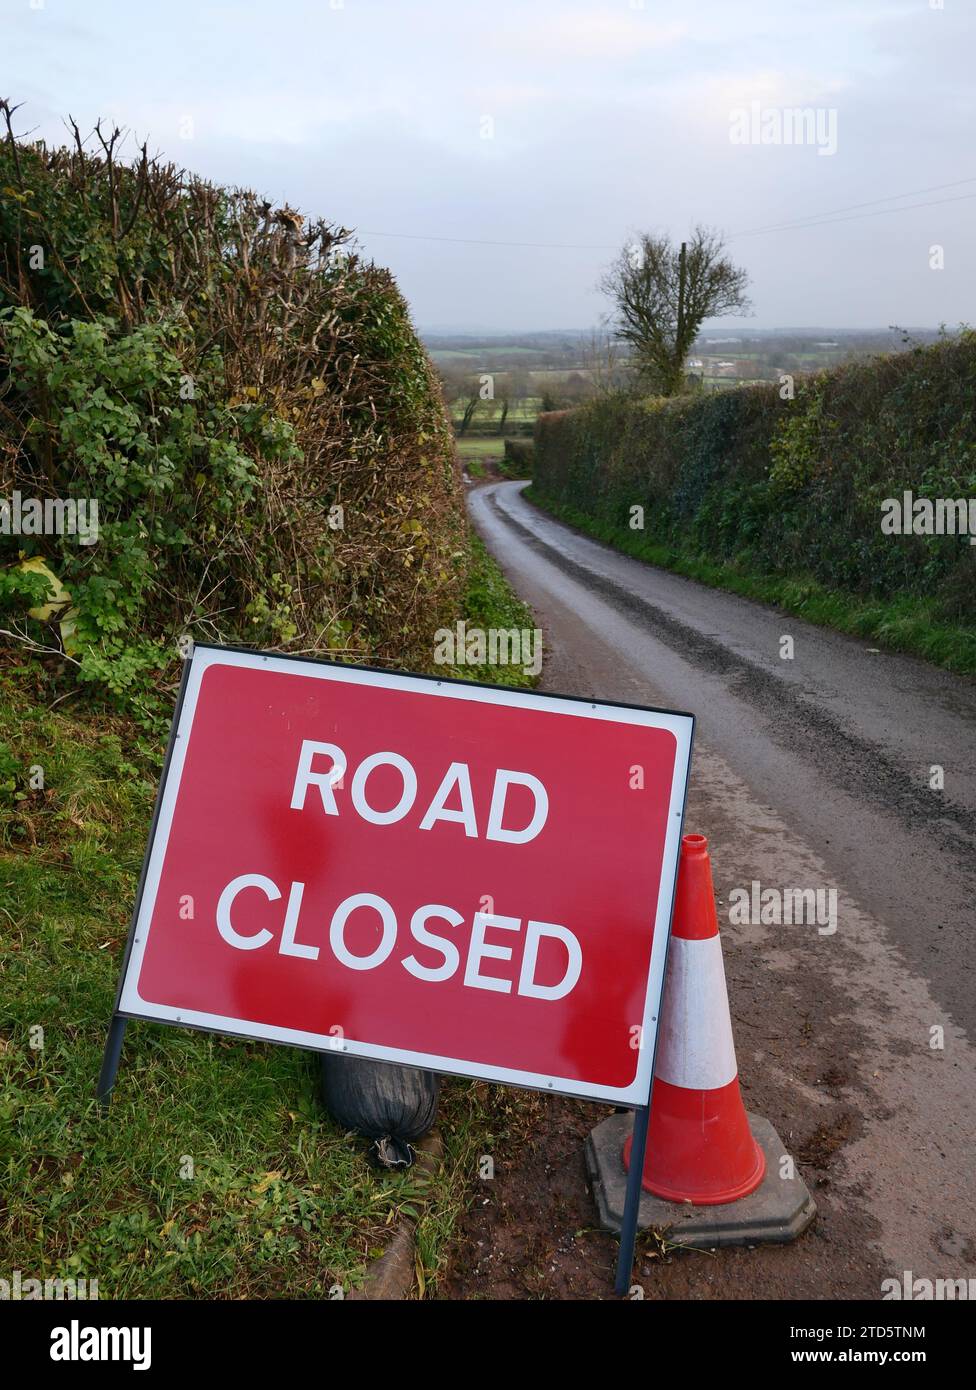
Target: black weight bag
[{"x": 393, "y": 1106}]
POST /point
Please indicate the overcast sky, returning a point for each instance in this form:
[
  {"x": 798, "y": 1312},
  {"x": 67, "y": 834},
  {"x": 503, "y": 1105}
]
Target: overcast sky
[{"x": 561, "y": 122}]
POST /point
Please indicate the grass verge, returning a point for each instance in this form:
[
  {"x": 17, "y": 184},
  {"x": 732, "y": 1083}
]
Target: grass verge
[
  {"x": 907, "y": 624},
  {"x": 217, "y": 1173},
  {"x": 491, "y": 603}
]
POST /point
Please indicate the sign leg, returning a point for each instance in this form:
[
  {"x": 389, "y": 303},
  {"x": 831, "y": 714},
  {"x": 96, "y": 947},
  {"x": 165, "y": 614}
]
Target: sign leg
[
  {"x": 628, "y": 1230},
  {"x": 110, "y": 1059}
]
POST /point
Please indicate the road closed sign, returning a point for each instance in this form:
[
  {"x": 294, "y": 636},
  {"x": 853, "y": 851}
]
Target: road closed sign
[{"x": 430, "y": 872}]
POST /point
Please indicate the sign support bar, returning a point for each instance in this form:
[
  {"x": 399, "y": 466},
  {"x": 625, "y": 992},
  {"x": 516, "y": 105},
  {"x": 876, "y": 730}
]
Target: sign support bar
[
  {"x": 110, "y": 1059},
  {"x": 628, "y": 1230}
]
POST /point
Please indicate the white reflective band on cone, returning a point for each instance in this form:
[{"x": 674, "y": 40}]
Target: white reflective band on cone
[{"x": 696, "y": 1050}]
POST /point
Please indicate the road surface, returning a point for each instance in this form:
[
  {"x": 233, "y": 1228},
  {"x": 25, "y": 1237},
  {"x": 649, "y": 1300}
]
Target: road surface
[{"x": 811, "y": 772}]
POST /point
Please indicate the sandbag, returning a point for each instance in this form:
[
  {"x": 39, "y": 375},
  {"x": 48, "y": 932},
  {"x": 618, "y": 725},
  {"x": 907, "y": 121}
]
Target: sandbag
[{"x": 393, "y": 1106}]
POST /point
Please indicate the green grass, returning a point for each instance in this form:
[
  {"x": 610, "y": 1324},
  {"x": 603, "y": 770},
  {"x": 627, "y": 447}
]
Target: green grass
[
  {"x": 475, "y": 451},
  {"x": 509, "y": 468},
  {"x": 473, "y": 447},
  {"x": 906, "y": 624},
  {"x": 280, "y": 1202},
  {"x": 492, "y": 604}
]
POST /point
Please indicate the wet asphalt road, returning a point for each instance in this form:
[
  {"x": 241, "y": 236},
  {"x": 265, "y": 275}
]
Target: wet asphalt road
[
  {"x": 840, "y": 740},
  {"x": 808, "y": 773}
]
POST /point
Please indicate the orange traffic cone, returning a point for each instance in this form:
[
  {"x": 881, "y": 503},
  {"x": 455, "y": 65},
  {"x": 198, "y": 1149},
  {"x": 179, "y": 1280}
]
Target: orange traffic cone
[{"x": 699, "y": 1147}]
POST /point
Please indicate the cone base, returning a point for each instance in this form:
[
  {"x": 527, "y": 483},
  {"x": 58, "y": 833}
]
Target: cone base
[{"x": 777, "y": 1211}]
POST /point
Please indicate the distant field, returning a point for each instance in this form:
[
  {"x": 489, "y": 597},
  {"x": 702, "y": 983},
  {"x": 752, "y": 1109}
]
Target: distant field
[
  {"x": 556, "y": 353},
  {"x": 463, "y": 355},
  {"x": 556, "y": 375},
  {"x": 538, "y": 376},
  {"x": 525, "y": 410},
  {"x": 480, "y": 447},
  {"x": 551, "y": 367}
]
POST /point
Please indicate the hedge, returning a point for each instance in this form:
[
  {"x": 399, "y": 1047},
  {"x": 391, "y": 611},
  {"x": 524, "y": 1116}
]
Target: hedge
[
  {"x": 788, "y": 486},
  {"x": 247, "y": 401}
]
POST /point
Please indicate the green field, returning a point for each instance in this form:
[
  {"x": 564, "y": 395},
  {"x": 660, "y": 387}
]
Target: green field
[
  {"x": 463, "y": 356},
  {"x": 522, "y": 413},
  {"x": 480, "y": 447}
]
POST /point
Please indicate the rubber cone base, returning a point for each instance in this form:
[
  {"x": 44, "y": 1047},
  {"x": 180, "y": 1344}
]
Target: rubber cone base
[{"x": 777, "y": 1211}]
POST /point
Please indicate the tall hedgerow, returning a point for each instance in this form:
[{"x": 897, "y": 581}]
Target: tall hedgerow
[
  {"x": 789, "y": 485},
  {"x": 248, "y": 403}
]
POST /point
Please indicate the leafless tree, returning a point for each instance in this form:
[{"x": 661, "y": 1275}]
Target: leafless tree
[
  {"x": 465, "y": 391},
  {"x": 606, "y": 369}
]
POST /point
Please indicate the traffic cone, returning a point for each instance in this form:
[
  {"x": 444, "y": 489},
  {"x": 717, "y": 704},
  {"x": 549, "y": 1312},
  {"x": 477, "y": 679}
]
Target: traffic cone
[{"x": 700, "y": 1148}]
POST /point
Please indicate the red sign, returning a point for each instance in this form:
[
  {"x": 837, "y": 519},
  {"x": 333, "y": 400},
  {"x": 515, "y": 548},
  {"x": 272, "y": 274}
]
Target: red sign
[{"x": 435, "y": 873}]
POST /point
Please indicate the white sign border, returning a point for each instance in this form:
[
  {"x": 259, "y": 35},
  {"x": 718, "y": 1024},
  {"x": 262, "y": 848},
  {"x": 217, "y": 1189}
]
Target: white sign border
[{"x": 130, "y": 1003}]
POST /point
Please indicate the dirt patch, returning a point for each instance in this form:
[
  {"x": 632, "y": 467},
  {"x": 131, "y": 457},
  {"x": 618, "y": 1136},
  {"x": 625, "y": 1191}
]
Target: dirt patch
[
  {"x": 531, "y": 1233},
  {"x": 531, "y": 1230},
  {"x": 818, "y": 1148}
]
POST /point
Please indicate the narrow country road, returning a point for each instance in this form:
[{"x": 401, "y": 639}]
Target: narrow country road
[{"x": 858, "y": 1044}]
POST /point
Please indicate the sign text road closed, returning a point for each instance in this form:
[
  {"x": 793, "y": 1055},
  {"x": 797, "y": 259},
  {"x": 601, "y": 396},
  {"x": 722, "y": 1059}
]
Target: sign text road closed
[{"x": 444, "y": 875}]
